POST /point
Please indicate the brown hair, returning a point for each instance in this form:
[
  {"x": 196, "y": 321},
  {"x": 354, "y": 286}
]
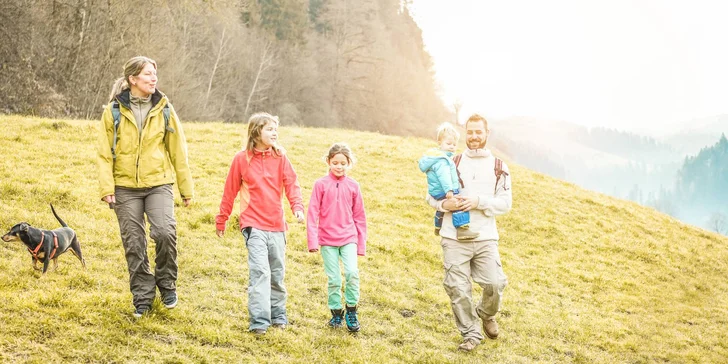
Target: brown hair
[
  {"x": 256, "y": 123},
  {"x": 132, "y": 67},
  {"x": 341, "y": 148},
  {"x": 476, "y": 118}
]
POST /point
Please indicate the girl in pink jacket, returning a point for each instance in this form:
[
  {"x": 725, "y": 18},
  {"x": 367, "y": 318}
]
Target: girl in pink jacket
[{"x": 337, "y": 225}]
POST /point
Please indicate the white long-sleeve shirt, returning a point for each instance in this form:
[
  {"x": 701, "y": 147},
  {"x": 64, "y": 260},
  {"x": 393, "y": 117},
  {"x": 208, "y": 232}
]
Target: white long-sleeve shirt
[{"x": 477, "y": 171}]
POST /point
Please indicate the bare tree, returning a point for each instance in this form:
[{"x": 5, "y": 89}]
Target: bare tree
[
  {"x": 265, "y": 63},
  {"x": 221, "y": 52},
  {"x": 457, "y": 105},
  {"x": 718, "y": 222}
]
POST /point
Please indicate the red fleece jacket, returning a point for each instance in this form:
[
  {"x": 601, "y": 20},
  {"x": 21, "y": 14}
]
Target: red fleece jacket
[{"x": 260, "y": 177}]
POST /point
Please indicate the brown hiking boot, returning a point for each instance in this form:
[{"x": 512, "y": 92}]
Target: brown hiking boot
[
  {"x": 258, "y": 331},
  {"x": 468, "y": 344},
  {"x": 491, "y": 328},
  {"x": 437, "y": 231},
  {"x": 466, "y": 234}
]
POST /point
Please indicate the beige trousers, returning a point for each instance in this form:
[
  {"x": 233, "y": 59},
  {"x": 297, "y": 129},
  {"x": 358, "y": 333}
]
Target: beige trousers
[{"x": 481, "y": 261}]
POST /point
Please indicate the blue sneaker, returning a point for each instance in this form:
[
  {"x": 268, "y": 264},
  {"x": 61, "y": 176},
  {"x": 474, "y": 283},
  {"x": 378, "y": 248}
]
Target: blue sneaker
[
  {"x": 336, "y": 317},
  {"x": 169, "y": 299},
  {"x": 141, "y": 310},
  {"x": 352, "y": 322}
]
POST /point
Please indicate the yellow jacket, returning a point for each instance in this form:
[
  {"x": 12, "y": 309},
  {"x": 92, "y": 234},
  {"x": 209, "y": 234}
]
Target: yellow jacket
[{"x": 149, "y": 160}]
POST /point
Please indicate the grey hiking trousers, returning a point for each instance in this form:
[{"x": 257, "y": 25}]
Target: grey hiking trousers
[
  {"x": 158, "y": 205},
  {"x": 267, "y": 269}
]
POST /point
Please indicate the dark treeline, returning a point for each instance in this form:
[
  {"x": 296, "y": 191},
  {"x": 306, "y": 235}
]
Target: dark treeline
[
  {"x": 330, "y": 63},
  {"x": 702, "y": 187}
]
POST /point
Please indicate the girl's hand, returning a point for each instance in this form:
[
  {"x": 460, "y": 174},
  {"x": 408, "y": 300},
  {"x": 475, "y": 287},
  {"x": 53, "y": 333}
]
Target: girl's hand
[
  {"x": 312, "y": 250},
  {"x": 300, "y": 217},
  {"x": 187, "y": 202},
  {"x": 220, "y": 233}
]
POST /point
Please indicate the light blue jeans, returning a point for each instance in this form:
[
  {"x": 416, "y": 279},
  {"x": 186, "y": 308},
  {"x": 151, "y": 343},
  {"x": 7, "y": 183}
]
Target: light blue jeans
[
  {"x": 266, "y": 264},
  {"x": 331, "y": 255}
]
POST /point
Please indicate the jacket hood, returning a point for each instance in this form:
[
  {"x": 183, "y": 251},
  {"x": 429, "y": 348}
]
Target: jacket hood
[{"x": 431, "y": 157}]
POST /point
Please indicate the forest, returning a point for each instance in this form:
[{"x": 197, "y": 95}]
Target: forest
[{"x": 322, "y": 63}]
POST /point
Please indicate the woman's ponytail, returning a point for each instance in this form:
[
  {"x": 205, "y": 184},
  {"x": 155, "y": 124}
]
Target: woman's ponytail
[{"x": 119, "y": 85}]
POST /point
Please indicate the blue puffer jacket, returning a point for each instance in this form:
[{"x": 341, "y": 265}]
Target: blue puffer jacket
[{"x": 442, "y": 175}]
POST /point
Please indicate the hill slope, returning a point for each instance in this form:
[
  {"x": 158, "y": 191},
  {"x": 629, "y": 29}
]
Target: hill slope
[{"x": 591, "y": 278}]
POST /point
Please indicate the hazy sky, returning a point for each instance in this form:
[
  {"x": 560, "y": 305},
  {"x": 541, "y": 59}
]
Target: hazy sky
[{"x": 629, "y": 64}]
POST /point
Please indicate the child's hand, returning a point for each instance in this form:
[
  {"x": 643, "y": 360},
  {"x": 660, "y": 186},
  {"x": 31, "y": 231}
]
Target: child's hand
[
  {"x": 300, "y": 217},
  {"x": 220, "y": 233},
  {"x": 448, "y": 195},
  {"x": 312, "y": 250}
]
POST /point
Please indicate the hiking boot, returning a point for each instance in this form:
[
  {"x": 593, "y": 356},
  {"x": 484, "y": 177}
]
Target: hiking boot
[
  {"x": 336, "y": 317},
  {"x": 437, "y": 231},
  {"x": 466, "y": 234},
  {"x": 169, "y": 299},
  {"x": 468, "y": 344},
  {"x": 491, "y": 328},
  {"x": 141, "y": 310},
  {"x": 258, "y": 331},
  {"x": 352, "y": 321},
  {"x": 279, "y": 326}
]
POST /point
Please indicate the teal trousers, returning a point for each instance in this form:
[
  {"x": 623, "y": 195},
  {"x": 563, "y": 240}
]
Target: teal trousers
[{"x": 331, "y": 256}]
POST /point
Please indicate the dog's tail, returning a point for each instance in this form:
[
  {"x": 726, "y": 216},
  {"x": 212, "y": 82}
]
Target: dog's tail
[{"x": 63, "y": 223}]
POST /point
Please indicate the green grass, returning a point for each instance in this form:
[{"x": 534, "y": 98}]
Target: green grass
[{"x": 591, "y": 278}]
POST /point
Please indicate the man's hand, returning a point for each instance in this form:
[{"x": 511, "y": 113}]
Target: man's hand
[
  {"x": 300, "y": 217},
  {"x": 467, "y": 203},
  {"x": 221, "y": 233}
]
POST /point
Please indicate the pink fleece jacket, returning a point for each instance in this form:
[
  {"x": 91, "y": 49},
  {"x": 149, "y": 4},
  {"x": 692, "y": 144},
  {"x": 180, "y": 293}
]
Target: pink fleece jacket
[{"x": 336, "y": 214}]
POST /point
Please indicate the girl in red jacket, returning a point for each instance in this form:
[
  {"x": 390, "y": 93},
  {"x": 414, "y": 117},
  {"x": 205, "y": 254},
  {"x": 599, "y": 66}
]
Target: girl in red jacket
[
  {"x": 337, "y": 225},
  {"x": 261, "y": 173}
]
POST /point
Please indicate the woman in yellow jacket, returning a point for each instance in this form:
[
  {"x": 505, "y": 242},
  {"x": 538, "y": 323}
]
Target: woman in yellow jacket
[{"x": 142, "y": 151}]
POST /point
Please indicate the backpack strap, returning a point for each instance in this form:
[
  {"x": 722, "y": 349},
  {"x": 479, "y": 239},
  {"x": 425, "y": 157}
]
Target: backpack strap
[
  {"x": 498, "y": 170},
  {"x": 165, "y": 112},
  {"x": 456, "y": 159},
  {"x": 116, "y": 113},
  {"x": 498, "y": 173}
]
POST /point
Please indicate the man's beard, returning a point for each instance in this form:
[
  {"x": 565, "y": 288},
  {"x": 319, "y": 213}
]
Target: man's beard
[{"x": 479, "y": 146}]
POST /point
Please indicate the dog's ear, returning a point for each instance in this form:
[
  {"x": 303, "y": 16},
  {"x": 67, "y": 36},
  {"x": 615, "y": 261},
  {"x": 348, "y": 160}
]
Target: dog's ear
[{"x": 24, "y": 226}]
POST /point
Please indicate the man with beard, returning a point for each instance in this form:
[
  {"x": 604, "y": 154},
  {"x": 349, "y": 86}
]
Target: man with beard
[{"x": 485, "y": 192}]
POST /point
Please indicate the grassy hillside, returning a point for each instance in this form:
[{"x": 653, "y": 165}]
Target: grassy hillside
[{"x": 591, "y": 278}]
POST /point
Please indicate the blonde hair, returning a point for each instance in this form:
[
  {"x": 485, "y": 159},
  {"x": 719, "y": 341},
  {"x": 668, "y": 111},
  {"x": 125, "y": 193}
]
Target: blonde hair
[
  {"x": 340, "y": 148},
  {"x": 447, "y": 129},
  {"x": 256, "y": 123},
  {"x": 132, "y": 67}
]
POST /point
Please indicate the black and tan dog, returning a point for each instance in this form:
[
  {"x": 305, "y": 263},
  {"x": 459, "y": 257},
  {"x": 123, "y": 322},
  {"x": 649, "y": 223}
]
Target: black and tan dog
[{"x": 46, "y": 245}]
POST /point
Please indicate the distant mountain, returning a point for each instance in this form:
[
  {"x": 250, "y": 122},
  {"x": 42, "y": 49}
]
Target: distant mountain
[
  {"x": 618, "y": 163},
  {"x": 697, "y": 134}
]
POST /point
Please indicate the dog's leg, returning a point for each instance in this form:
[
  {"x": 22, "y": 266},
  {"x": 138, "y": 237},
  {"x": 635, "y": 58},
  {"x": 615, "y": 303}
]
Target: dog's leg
[
  {"x": 45, "y": 262},
  {"x": 76, "y": 250},
  {"x": 35, "y": 264}
]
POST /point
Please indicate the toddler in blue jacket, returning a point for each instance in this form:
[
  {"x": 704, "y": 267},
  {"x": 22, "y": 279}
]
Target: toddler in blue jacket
[{"x": 442, "y": 179}]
